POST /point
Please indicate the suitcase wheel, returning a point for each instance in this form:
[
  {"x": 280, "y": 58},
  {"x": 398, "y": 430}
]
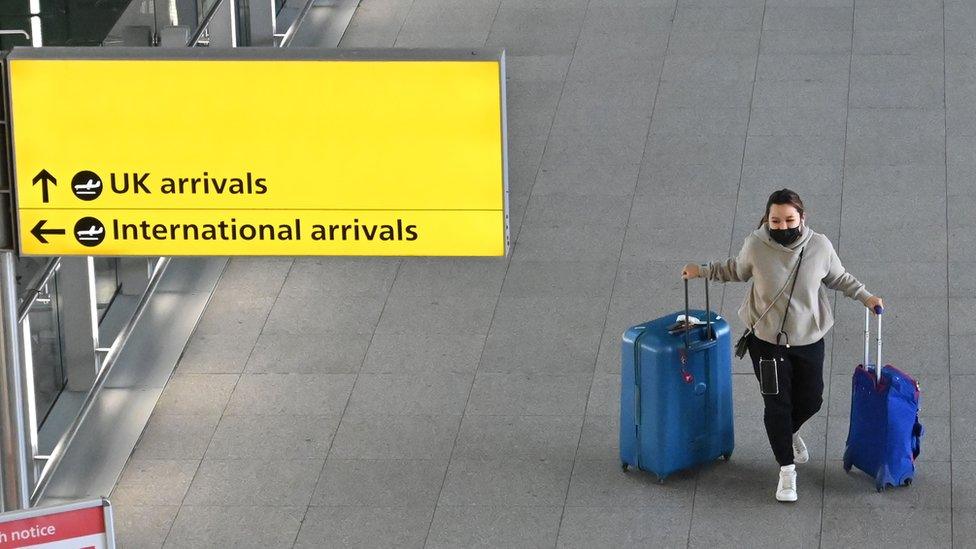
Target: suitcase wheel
[
  {"x": 727, "y": 456},
  {"x": 908, "y": 482},
  {"x": 847, "y": 466},
  {"x": 660, "y": 480},
  {"x": 624, "y": 466}
]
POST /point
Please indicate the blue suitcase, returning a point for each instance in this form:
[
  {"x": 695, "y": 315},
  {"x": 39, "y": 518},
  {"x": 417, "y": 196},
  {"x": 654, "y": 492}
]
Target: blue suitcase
[
  {"x": 885, "y": 435},
  {"x": 676, "y": 392}
]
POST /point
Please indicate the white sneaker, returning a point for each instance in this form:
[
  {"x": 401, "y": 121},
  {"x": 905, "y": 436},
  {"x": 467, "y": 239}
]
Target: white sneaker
[
  {"x": 786, "y": 489},
  {"x": 800, "y": 454}
]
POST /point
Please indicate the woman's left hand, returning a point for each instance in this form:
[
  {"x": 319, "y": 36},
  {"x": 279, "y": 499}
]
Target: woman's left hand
[{"x": 875, "y": 300}]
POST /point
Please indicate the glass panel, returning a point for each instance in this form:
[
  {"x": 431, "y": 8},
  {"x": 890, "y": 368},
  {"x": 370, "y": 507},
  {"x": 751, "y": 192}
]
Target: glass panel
[
  {"x": 106, "y": 282},
  {"x": 45, "y": 335}
]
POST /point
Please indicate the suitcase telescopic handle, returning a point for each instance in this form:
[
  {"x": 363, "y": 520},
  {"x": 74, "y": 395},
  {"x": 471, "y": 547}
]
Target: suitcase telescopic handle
[
  {"x": 867, "y": 338},
  {"x": 708, "y": 315}
]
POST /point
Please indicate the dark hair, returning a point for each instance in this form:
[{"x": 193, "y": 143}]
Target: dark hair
[{"x": 782, "y": 196}]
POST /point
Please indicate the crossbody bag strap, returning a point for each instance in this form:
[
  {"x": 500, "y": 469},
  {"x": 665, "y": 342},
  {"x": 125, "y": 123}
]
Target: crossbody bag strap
[
  {"x": 796, "y": 269},
  {"x": 782, "y": 326}
]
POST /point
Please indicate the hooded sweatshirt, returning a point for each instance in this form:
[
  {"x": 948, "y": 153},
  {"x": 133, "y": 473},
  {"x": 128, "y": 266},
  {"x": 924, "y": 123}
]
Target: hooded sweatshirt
[{"x": 769, "y": 264}]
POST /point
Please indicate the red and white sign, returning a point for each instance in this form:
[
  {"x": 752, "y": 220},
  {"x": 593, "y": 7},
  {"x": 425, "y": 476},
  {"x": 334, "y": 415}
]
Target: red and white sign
[{"x": 86, "y": 525}]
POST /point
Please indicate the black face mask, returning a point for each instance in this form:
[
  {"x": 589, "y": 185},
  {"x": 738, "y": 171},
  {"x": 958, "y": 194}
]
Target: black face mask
[{"x": 785, "y": 237}]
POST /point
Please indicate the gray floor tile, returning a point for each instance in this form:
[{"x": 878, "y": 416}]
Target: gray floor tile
[
  {"x": 887, "y": 527},
  {"x": 239, "y": 526},
  {"x": 142, "y": 526},
  {"x": 604, "y": 397},
  {"x": 376, "y": 24},
  {"x": 509, "y": 481},
  {"x": 703, "y": 44},
  {"x": 154, "y": 481},
  {"x": 800, "y": 41},
  {"x": 904, "y": 345},
  {"x": 216, "y": 354},
  {"x": 752, "y": 484},
  {"x": 470, "y": 313},
  {"x": 484, "y": 526},
  {"x": 690, "y": 94},
  {"x": 438, "y": 23},
  {"x": 961, "y": 162},
  {"x": 601, "y": 483},
  {"x": 395, "y": 437},
  {"x": 600, "y": 438},
  {"x": 963, "y": 437},
  {"x": 532, "y": 278},
  {"x": 323, "y": 353},
  {"x": 421, "y": 351},
  {"x": 792, "y": 66},
  {"x": 269, "y": 437},
  {"x": 554, "y": 28},
  {"x": 694, "y": 121},
  {"x": 274, "y": 482},
  {"x": 759, "y": 181},
  {"x": 855, "y": 490},
  {"x": 380, "y": 483},
  {"x": 794, "y": 150},
  {"x": 537, "y": 67},
  {"x": 291, "y": 394},
  {"x": 664, "y": 526},
  {"x": 746, "y": 18},
  {"x": 963, "y": 475},
  {"x": 564, "y": 336},
  {"x": 314, "y": 313},
  {"x": 364, "y": 527},
  {"x": 169, "y": 436},
  {"x": 861, "y": 182},
  {"x": 900, "y": 15},
  {"x": 899, "y": 42},
  {"x": 253, "y": 276},
  {"x": 235, "y": 317},
  {"x": 758, "y": 526},
  {"x": 874, "y": 78},
  {"x": 196, "y": 394},
  {"x": 522, "y": 394},
  {"x": 523, "y": 437},
  {"x": 839, "y": 18},
  {"x": 963, "y": 527},
  {"x": 450, "y": 276},
  {"x": 411, "y": 394},
  {"x": 960, "y": 353},
  {"x": 895, "y": 151},
  {"x": 962, "y": 388},
  {"x": 716, "y": 67},
  {"x": 347, "y": 276}
]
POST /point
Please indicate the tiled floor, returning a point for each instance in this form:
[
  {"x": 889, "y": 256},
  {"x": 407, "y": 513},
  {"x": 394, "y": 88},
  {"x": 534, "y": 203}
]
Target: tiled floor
[{"x": 473, "y": 403}]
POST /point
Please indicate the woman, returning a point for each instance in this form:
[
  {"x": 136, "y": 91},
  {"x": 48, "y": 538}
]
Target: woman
[{"x": 789, "y": 314}]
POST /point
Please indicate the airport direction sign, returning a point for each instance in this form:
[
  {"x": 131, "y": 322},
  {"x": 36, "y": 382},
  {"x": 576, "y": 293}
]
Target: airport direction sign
[{"x": 259, "y": 152}]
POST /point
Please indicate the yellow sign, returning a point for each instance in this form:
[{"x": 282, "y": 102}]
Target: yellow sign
[{"x": 150, "y": 152}]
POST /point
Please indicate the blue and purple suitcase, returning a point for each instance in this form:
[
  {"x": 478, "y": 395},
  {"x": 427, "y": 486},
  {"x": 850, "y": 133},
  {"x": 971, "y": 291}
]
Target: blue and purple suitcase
[
  {"x": 885, "y": 435},
  {"x": 676, "y": 392}
]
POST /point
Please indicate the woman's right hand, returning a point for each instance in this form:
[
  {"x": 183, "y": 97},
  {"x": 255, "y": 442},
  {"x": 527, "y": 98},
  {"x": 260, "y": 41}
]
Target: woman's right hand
[{"x": 690, "y": 271}]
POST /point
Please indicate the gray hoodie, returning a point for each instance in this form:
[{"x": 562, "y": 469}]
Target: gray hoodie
[{"x": 768, "y": 264}]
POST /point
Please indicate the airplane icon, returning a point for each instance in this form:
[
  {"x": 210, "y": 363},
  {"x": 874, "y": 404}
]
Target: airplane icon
[{"x": 92, "y": 234}]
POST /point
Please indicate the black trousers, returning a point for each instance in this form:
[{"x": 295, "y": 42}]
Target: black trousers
[{"x": 801, "y": 385}]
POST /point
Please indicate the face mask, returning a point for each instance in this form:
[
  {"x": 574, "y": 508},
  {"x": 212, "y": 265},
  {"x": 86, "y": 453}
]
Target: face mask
[{"x": 785, "y": 237}]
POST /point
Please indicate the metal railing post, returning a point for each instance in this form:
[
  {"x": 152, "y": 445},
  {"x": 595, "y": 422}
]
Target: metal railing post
[{"x": 14, "y": 446}]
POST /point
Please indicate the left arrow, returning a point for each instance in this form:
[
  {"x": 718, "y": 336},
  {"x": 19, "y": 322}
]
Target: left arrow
[
  {"x": 39, "y": 231},
  {"x": 44, "y": 177}
]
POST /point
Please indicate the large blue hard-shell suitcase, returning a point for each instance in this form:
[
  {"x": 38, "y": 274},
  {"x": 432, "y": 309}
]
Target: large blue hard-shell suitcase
[
  {"x": 885, "y": 435},
  {"x": 676, "y": 392}
]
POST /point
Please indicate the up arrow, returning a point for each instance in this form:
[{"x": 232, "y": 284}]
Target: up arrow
[
  {"x": 39, "y": 231},
  {"x": 44, "y": 177}
]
